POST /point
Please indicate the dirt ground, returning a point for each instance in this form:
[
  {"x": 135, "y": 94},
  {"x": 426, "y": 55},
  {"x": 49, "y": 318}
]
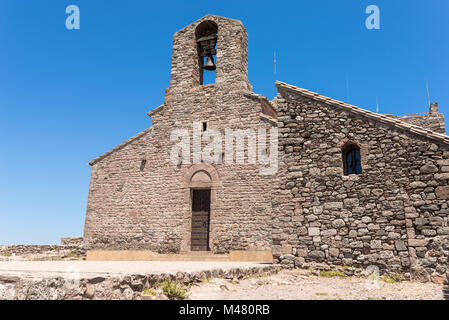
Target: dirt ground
[
  {"x": 303, "y": 285},
  {"x": 89, "y": 269}
]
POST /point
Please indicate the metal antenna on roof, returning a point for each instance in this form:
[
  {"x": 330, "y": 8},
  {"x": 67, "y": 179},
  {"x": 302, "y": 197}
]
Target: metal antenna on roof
[
  {"x": 275, "y": 89},
  {"x": 377, "y": 105},
  {"x": 428, "y": 95},
  {"x": 347, "y": 88}
]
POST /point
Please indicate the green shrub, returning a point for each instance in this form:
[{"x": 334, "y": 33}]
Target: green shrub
[
  {"x": 149, "y": 292},
  {"x": 173, "y": 290},
  {"x": 207, "y": 280},
  {"x": 393, "y": 278},
  {"x": 7, "y": 254},
  {"x": 332, "y": 274},
  {"x": 321, "y": 293}
]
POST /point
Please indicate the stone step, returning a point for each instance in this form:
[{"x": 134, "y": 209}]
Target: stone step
[
  {"x": 145, "y": 255},
  {"x": 190, "y": 257}
]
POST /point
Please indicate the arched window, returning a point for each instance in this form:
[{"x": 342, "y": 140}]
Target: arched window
[
  {"x": 352, "y": 161},
  {"x": 206, "y": 39}
]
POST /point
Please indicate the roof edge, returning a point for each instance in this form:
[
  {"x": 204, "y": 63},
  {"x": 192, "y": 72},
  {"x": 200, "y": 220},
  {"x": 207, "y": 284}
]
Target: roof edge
[
  {"x": 120, "y": 146},
  {"x": 366, "y": 113},
  {"x": 155, "y": 110}
]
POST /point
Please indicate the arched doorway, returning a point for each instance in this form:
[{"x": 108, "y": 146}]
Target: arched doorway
[
  {"x": 199, "y": 239},
  {"x": 202, "y": 181}
]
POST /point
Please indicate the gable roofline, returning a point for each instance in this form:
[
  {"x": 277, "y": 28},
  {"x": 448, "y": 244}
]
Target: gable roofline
[
  {"x": 155, "y": 110},
  {"x": 120, "y": 146},
  {"x": 365, "y": 113}
]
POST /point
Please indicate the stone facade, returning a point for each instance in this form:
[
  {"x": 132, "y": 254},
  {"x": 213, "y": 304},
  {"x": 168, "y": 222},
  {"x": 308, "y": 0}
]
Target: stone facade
[
  {"x": 147, "y": 204},
  {"x": 394, "y": 215}
]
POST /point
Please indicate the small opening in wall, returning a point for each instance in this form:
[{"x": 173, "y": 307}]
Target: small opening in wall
[
  {"x": 204, "y": 126},
  {"x": 221, "y": 158},
  {"x": 142, "y": 165},
  {"x": 352, "y": 162}
]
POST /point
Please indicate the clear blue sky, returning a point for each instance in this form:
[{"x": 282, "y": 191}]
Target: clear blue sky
[{"x": 68, "y": 96}]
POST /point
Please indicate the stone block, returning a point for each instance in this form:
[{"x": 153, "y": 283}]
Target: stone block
[
  {"x": 334, "y": 252},
  {"x": 376, "y": 244},
  {"x": 417, "y": 184},
  {"x": 366, "y": 220},
  {"x": 351, "y": 202},
  {"x": 338, "y": 223},
  {"x": 428, "y": 168},
  {"x": 442, "y": 192},
  {"x": 286, "y": 249},
  {"x": 442, "y": 176},
  {"x": 314, "y": 231},
  {"x": 333, "y": 205},
  {"x": 443, "y": 231},
  {"x": 400, "y": 245},
  {"x": 317, "y": 254},
  {"x": 329, "y": 233},
  {"x": 418, "y": 242},
  {"x": 419, "y": 274}
]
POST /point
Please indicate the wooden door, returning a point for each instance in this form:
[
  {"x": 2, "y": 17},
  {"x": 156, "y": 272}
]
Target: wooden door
[{"x": 200, "y": 220}]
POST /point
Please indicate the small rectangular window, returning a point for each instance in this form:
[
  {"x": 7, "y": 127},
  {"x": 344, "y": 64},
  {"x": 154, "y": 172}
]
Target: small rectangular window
[
  {"x": 221, "y": 158},
  {"x": 204, "y": 126},
  {"x": 142, "y": 165},
  {"x": 352, "y": 163}
]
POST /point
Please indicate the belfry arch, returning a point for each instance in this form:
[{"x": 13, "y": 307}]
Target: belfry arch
[{"x": 206, "y": 36}]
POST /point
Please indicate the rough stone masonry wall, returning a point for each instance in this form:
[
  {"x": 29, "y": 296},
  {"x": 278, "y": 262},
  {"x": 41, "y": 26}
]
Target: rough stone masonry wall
[
  {"x": 150, "y": 207},
  {"x": 394, "y": 215},
  {"x": 42, "y": 252}
]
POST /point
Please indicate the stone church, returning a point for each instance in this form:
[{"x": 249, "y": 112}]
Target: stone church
[{"x": 352, "y": 187}]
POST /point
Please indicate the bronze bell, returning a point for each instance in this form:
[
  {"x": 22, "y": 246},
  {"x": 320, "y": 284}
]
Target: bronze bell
[{"x": 210, "y": 65}]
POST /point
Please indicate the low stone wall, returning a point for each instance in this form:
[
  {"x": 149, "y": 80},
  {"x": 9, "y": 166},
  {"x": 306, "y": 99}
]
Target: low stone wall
[
  {"x": 416, "y": 274},
  {"x": 42, "y": 252},
  {"x": 130, "y": 287},
  {"x": 290, "y": 261},
  {"x": 72, "y": 241}
]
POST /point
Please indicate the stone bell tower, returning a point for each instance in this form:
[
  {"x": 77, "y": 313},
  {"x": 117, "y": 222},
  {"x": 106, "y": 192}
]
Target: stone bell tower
[{"x": 217, "y": 43}]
